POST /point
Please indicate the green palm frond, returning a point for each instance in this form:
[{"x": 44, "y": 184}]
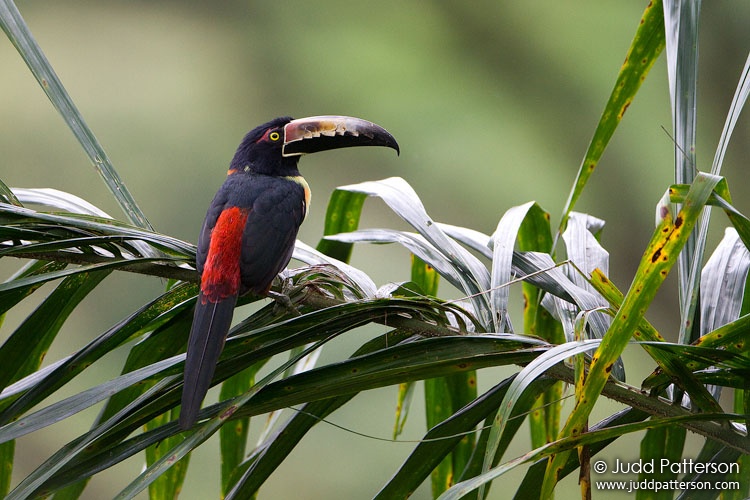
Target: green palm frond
[{"x": 574, "y": 327}]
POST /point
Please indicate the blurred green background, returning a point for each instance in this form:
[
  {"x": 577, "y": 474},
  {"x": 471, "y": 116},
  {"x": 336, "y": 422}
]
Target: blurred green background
[{"x": 493, "y": 104}]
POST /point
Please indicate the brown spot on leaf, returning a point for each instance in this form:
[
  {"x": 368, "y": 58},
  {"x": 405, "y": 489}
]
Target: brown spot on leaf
[
  {"x": 624, "y": 108},
  {"x": 656, "y": 255}
]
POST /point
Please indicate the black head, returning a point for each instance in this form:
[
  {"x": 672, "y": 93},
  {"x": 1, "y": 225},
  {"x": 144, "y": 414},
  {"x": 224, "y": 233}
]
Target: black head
[
  {"x": 275, "y": 147},
  {"x": 260, "y": 151}
]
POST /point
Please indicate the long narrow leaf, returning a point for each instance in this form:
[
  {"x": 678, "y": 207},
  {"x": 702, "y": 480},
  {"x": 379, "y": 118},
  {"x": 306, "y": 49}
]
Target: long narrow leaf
[
  {"x": 738, "y": 104},
  {"x": 29, "y": 486},
  {"x": 9, "y": 299},
  {"x": 402, "y": 199},
  {"x": 24, "y": 357},
  {"x": 521, "y": 383},
  {"x": 415, "y": 243},
  {"x": 7, "y": 195},
  {"x": 535, "y": 235},
  {"x": 658, "y": 259},
  {"x": 11, "y": 215},
  {"x": 438, "y": 396},
  {"x": 645, "y": 48},
  {"x": 439, "y": 441},
  {"x": 586, "y": 253},
  {"x": 81, "y": 401},
  {"x": 681, "y": 30},
  {"x": 723, "y": 283},
  {"x": 673, "y": 367},
  {"x": 19, "y": 34},
  {"x": 720, "y": 198},
  {"x": 564, "y": 445},
  {"x": 251, "y": 474},
  {"x": 145, "y": 317},
  {"x": 503, "y": 243},
  {"x": 206, "y": 430},
  {"x": 531, "y": 486}
]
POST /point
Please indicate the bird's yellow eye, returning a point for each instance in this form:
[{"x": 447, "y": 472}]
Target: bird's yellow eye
[{"x": 274, "y": 136}]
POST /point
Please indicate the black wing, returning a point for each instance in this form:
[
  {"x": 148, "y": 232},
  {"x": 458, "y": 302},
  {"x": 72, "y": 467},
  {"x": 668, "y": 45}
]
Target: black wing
[{"x": 270, "y": 232}]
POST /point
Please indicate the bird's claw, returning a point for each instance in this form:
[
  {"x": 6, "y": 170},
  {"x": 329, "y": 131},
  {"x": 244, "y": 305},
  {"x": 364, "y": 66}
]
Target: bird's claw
[{"x": 283, "y": 300}]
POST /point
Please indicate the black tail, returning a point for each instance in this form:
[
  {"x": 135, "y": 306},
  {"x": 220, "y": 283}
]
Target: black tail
[{"x": 211, "y": 323}]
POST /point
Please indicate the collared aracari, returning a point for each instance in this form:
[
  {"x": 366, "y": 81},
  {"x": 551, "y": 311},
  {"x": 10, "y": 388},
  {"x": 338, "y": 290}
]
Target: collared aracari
[{"x": 249, "y": 232}]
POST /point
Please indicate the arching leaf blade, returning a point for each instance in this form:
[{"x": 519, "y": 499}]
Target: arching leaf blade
[
  {"x": 23, "y": 357},
  {"x": 660, "y": 256},
  {"x": 535, "y": 235},
  {"x": 249, "y": 475},
  {"x": 20, "y": 35},
  {"x": 648, "y": 42},
  {"x": 404, "y": 201},
  {"x": 563, "y": 446}
]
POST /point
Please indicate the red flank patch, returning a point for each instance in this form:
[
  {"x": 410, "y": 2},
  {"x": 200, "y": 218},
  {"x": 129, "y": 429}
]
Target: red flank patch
[{"x": 221, "y": 272}]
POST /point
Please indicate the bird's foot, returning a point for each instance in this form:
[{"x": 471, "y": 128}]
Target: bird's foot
[{"x": 283, "y": 300}]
